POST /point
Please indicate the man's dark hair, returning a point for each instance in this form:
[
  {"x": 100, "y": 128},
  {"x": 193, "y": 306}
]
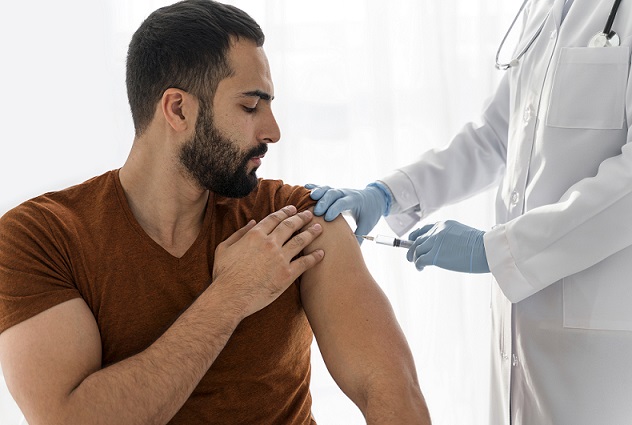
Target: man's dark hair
[{"x": 183, "y": 46}]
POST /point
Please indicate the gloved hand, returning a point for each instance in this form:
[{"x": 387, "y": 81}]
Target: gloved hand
[
  {"x": 366, "y": 206},
  {"x": 449, "y": 245}
]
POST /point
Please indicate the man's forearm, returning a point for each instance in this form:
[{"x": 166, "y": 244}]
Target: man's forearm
[
  {"x": 150, "y": 387},
  {"x": 396, "y": 403},
  {"x": 53, "y": 361}
]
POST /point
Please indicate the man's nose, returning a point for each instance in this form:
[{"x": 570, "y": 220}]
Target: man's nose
[{"x": 270, "y": 131}]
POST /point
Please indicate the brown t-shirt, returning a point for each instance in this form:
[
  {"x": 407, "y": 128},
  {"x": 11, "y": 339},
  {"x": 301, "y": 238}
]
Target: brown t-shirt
[{"x": 84, "y": 242}]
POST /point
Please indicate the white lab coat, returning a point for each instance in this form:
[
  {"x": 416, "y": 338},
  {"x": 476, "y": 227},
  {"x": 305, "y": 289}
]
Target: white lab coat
[{"x": 554, "y": 139}]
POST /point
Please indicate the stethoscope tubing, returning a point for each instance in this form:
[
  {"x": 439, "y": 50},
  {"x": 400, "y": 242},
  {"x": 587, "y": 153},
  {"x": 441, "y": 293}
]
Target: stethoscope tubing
[
  {"x": 613, "y": 14},
  {"x": 607, "y": 32},
  {"x": 505, "y": 66}
]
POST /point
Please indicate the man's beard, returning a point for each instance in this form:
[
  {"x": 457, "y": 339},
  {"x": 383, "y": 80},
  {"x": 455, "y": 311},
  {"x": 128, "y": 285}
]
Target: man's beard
[{"x": 216, "y": 163}]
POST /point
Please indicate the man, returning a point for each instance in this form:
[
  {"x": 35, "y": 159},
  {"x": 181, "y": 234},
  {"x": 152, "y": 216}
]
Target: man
[
  {"x": 180, "y": 289},
  {"x": 555, "y": 139}
]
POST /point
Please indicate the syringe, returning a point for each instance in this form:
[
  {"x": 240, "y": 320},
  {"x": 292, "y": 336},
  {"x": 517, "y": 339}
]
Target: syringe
[{"x": 390, "y": 241}]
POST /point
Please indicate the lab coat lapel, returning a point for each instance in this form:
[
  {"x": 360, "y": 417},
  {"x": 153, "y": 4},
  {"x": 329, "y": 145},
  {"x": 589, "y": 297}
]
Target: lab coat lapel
[{"x": 557, "y": 10}]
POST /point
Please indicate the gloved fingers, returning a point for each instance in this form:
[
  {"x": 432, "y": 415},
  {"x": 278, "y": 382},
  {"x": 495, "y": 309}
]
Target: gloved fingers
[
  {"x": 420, "y": 237},
  {"x": 317, "y": 191},
  {"x": 420, "y": 247},
  {"x": 416, "y": 233},
  {"x": 337, "y": 202},
  {"x": 423, "y": 261},
  {"x": 410, "y": 254},
  {"x": 326, "y": 200},
  {"x": 364, "y": 228}
]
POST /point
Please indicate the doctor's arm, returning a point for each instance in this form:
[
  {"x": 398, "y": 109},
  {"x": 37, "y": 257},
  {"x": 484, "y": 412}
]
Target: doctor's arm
[
  {"x": 587, "y": 225},
  {"x": 473, "y": 161},
  {"x": 358, "y": 334}
]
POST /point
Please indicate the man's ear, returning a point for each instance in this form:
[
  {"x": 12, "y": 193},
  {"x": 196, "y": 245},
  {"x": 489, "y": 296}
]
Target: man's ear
[{"x": 179, "y": 109}]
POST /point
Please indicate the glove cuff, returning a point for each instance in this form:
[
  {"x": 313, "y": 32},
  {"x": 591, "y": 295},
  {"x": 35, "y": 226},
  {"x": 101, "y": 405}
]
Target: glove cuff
[{"x": 387, "y": 196}]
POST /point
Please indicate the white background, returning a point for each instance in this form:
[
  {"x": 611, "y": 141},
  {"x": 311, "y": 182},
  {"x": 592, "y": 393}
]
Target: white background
[{"x": 362, "y": 87}]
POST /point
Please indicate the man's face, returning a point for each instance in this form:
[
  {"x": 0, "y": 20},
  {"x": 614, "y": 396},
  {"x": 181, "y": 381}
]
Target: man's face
[
  {"x": 229, "y": 142},
  {"x": 216, "y": 162}
]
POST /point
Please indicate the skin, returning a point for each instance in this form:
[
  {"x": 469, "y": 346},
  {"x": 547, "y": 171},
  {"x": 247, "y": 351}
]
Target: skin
[{"x": 52, "y": 362}]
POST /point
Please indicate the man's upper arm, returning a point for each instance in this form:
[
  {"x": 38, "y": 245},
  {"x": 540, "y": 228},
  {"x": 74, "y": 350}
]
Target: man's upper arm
[
  {"x": 47, "y": 356},
  {"x": 354, "y": 324}
]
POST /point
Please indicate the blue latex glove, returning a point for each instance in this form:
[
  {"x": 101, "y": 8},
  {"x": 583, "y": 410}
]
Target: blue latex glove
[
  {"x": 449, "y": 245},
  {"x": 367, "y": 206}
]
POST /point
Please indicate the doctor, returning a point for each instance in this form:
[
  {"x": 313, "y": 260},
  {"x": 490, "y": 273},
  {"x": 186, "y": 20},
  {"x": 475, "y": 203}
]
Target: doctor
[{"x": 555, "y": 141}]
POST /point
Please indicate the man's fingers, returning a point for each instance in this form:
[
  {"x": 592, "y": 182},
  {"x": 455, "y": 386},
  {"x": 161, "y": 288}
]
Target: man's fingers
[
  {"x": 282, "y": 224},
  {"x": 268, "y": 224},
  {"x": 239, "y": 233},
  {"x": 304, "y": 238},
  {"x": 305, "y": 262},
  {"x": 286, "y": 228}
]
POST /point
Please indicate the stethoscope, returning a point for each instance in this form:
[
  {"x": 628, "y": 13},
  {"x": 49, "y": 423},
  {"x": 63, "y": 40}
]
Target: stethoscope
[{"x": 605, "y": 38}]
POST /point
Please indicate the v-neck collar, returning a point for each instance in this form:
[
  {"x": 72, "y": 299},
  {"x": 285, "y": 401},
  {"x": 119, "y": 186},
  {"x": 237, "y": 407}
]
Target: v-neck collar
[{"x": 148, "y": 240}]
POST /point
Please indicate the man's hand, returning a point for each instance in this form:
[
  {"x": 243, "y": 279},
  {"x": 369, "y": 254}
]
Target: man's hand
[
  {"x": 449, "y": 245},
  {"x": 257, "y": 263},
  {"x": 367, "y": 206},
  {"x": 53, "y": 361}
]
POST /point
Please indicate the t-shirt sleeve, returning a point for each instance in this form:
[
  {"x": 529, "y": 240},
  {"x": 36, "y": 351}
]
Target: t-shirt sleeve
[
  {"x": 293, "y": 195},
  {"x": 35, "y": 272}
]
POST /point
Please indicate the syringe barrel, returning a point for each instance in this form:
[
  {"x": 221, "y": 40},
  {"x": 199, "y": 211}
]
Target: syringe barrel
[
  {"x": 385, "y": 240},
  {"x": 391, "y": 241}
]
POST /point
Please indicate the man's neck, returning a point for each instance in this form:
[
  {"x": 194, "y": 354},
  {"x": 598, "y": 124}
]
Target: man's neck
[{"x": 167, "y": 204}]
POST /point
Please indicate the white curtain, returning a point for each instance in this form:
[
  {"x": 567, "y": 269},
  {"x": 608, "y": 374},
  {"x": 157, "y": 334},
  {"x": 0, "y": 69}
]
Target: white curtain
[{"x": 362, "y": 87}]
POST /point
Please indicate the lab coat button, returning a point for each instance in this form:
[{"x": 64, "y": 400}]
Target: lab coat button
[
  {"x": 514, "y": 360},
  {"x": 515, "y": 197},
  {"x": 527, "y": 114},
  {"x": 553, "y": 34}
]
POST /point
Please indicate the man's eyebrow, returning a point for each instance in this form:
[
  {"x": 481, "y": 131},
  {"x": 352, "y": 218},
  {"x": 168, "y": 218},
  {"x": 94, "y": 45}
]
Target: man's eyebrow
[{"x": 258, "y": 93}]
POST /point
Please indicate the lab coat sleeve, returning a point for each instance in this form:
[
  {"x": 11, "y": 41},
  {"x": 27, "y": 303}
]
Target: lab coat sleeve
[
  {"x": 591, "y": 221},
  {"x": 472, "y": 162}
]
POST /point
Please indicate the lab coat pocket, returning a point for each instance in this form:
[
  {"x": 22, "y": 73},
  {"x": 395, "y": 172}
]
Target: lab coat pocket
[
  {"x": 589, "y": 88},
  {"x": 601, "y": 297}
]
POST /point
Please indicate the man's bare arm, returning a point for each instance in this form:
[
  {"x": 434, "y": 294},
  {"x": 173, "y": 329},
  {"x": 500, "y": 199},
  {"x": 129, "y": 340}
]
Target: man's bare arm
[
  {"x": 52, "y": 362},
  {"x": 358, "y": 334}
]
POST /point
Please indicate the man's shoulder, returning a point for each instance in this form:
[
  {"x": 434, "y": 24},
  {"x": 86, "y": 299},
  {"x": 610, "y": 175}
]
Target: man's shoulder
[
  {"x": 63, "y": 204},
  {"x": 269, "y": 196},
  {"x": 273, "y": 185},
  {"x": 281, "y": 194}
]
